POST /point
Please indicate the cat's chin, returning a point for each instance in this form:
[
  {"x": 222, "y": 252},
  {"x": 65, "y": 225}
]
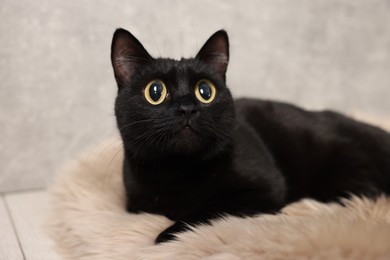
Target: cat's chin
[{"x": 186, "y": 141}]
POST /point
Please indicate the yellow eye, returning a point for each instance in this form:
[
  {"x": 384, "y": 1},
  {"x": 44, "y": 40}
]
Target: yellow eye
[
  {"x": 155, "y": 92},
  {"x": 205, "y": 91}
]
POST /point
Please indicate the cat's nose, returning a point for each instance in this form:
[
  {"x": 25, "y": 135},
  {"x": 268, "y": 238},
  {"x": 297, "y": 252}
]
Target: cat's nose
[{"x": 187, "y": 110}]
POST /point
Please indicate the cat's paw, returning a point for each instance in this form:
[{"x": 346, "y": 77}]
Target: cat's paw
[{"x": 164, "y": 237}]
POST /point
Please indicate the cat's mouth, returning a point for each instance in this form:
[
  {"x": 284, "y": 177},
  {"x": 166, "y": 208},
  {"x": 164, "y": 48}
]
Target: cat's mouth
[
  {"x": 187, "y": 126},
  {"x": 187, "y": 129},
  {"x": 186, "y": 139}
]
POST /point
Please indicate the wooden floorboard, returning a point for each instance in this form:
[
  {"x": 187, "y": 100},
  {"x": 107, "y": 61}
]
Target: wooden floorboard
[
  {"x": 29, "y": 211},
  {"x": 9, "y": 243}
]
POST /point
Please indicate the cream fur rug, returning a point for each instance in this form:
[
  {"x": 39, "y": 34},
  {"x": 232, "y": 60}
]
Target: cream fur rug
[{"x": 89, "y": 222}]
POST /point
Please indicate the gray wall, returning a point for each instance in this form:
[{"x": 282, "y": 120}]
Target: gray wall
[{"x": 57, "y": 88}]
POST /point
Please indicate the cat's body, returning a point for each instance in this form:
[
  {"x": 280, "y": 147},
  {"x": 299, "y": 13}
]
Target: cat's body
[
  {"x": 323, "y": 155},
  {"x": 193, "y": 154}
]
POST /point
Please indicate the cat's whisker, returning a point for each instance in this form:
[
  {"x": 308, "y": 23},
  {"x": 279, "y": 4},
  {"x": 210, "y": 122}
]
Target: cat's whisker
[
  {"x": 110, "y": 140},
  {"x": 107, "y": 173},
  {"x": 156, "y": 136},
  {"x": 142, "y": 121},
  {"x": 148, "y": 136},
  {"x": 166, "y": 139},
  {"x": 162, "y": 140}
]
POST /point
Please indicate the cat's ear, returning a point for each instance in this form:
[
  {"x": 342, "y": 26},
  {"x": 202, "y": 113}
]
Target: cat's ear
[
  {"x": 215, "y": 52},
  {"x": 127, "y": 54}
]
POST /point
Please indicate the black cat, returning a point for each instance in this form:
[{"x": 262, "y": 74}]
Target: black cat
[{"x": 193, "y": 154}]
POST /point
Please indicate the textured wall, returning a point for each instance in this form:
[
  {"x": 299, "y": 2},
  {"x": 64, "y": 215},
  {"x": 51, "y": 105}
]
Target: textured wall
[{"x": 57, "y": 88}]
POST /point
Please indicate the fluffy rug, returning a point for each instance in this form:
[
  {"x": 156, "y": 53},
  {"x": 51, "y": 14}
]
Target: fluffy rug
[{"x": 89, "y": 222}]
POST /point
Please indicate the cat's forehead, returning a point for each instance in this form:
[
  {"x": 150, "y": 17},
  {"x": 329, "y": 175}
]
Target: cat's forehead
[
  {"x": 181, "y": 66},
  {"x": 177, "y": 74}
]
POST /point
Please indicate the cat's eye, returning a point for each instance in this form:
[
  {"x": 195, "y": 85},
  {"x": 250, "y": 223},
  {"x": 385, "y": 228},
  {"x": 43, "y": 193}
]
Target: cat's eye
[
  {"x": 205, "y": 91},
  {"x": 155, "y": 92}
]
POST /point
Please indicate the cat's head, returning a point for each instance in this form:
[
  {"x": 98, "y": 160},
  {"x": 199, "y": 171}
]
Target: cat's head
[{"x": 172, "y": 107}]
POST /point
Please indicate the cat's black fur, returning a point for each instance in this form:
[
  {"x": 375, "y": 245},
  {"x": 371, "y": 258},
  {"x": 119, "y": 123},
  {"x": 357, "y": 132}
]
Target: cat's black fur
[{"x": 192, "y": 161}]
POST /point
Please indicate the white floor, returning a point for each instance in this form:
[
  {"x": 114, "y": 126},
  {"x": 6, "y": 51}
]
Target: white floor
[{"x": 22, "y": 231}]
